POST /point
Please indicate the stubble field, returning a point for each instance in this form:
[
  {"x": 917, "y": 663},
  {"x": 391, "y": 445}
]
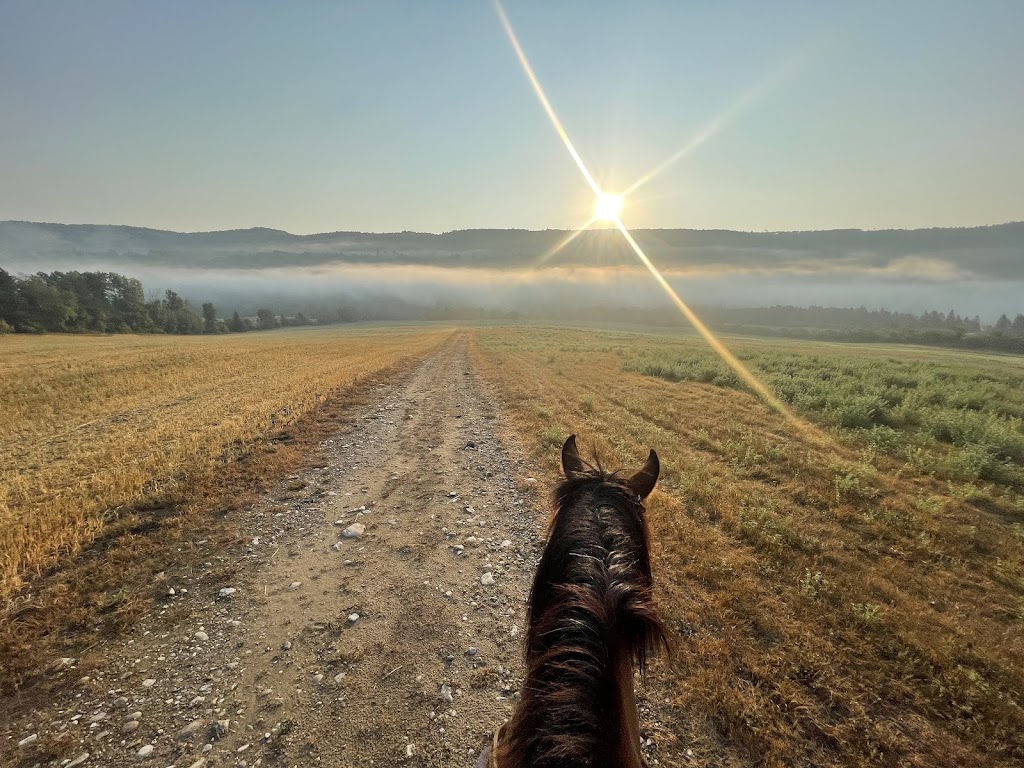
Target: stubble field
[
  {"x": 846, "y": 589},
  {"x": 94, "y": 424}
]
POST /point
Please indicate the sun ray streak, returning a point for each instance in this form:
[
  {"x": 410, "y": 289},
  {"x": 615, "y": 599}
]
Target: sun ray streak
[
  {"x": 525, "y": 63},
  {"x": 720, "y": 349},
  {"x": 710, "y": 129},
  {"x": 550, "y": 254}
]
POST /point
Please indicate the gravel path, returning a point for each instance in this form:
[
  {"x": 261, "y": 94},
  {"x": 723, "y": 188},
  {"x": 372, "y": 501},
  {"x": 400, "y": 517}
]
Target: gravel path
[{"x": 373, "y": 615}]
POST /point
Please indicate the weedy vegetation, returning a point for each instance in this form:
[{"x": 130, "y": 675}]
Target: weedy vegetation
[{"x": 842, "y": 589}]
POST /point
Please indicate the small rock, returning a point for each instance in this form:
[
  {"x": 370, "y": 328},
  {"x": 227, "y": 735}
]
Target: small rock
[
  {"x": 286, "y": 645},
  {"x": 318, "y": 678},
  {"x": 146, "y": 751},
  {"x": 339, "y": 677},
  {"x": 458, "y": 549},
  {"x": 472, "y": 541},
  {"x": 353, "y": 618},
  {"x": 190, "y": 730},
  {"x": 149, "y": 682},
  {"x": 294, "y": 585},
  {"x": 29, "y": 740},
  {"x": 226, "y": 592},
  {"x": 201, "y": 636},
  {"x": 470, "y": 445},
  {"x": 354, "y": 531},
  {"x": 410, "y": 749},
  {"x": 472, "y": 651},
  {"x": 446, "y": 693},
  {"x": 487, "y": 579},
  {"x": 255, "y": 541}
]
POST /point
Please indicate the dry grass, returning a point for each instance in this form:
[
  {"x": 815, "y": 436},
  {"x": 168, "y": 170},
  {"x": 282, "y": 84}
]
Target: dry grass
[
  {"x": 93, "y": 425},
  {"x": 830, "y": 603}
]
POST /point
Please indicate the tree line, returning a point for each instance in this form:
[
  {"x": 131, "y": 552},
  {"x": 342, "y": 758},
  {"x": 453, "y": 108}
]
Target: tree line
[{"x": 106, "y": 302}]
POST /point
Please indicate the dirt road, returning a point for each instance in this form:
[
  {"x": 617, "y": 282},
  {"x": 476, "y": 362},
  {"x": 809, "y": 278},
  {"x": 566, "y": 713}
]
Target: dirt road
[{"x": 373, "y": 614}]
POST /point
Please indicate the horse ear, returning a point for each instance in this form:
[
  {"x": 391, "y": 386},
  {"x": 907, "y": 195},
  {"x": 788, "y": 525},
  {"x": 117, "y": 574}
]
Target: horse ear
[
  {"x": 571, "y": 461},
  {"x": 642, "y": 483}
]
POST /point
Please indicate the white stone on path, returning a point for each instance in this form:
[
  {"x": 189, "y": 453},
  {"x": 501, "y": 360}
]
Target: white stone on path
[
  {"x": 354, "y": 531},
  {"x": 487, "y": 579}
]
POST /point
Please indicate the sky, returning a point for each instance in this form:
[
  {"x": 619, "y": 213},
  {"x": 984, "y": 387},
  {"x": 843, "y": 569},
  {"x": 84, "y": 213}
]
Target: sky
[{"x": 389, "y": 116}]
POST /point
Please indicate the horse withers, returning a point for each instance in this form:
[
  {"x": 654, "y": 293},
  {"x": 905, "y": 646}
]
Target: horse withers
[{"x": 591, "y": 621}]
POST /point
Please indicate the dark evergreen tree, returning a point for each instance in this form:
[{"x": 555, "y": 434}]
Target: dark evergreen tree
[
  {"x": 265, "y": 319},
  {"x": 209, "y": 318}
]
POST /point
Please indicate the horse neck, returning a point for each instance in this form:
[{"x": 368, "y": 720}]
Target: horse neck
[
  {"x": 552, "y": 698},
  {"x": 618, "y": 743}
]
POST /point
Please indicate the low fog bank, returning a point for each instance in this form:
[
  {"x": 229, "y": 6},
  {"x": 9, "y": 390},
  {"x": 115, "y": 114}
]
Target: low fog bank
[
  {"x": 410, "y": 293},
  {"x": 975, "y": 271}
]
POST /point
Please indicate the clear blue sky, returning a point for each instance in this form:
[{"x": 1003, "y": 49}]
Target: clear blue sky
[{"x": 382, "y": 116}]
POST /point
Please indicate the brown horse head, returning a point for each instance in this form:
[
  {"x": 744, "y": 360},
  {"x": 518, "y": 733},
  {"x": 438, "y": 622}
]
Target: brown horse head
[{"x": 591, "y": 618}]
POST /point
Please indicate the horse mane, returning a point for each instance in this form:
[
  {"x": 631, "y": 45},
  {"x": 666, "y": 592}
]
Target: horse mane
[{"x": 591, "y": 600}]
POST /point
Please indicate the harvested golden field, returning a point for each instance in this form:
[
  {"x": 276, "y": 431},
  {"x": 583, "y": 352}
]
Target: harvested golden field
[
  {"x": 847, "y": 594},
  {"x": 92, "y": 424}
]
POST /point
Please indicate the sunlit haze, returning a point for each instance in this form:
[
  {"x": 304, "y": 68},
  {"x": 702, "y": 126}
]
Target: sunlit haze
[{"x": 403, "y": 116}]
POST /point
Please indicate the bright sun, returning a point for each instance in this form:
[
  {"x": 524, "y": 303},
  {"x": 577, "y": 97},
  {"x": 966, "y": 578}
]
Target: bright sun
[{"x": 608, "y": 207}]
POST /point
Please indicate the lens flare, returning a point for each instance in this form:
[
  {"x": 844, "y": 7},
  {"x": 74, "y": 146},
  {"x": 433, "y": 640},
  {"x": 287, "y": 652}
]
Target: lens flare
[
  {"x": 563, "y": 243},
  {"x": 607, "y": 208},
  {"x": 525, "y": 63},
  {"x": 720, "y": 349},
  {"x": 712, "y": 128}
]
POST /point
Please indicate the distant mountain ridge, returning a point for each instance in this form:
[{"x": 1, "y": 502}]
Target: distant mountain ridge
[{"x": 988, "y": 252}]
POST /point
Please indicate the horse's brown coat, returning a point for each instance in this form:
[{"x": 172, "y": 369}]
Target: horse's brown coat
[{"x": 591, "y": 618}]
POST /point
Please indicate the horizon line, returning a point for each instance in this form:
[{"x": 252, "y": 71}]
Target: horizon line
[{"x": 509, "y": 229}]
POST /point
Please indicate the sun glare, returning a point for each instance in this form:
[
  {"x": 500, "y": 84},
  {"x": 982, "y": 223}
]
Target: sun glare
[{"x": 608, "y": 207}]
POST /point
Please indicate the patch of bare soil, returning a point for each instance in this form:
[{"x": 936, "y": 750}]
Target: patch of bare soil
[{"x": 371, "y": 615}]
